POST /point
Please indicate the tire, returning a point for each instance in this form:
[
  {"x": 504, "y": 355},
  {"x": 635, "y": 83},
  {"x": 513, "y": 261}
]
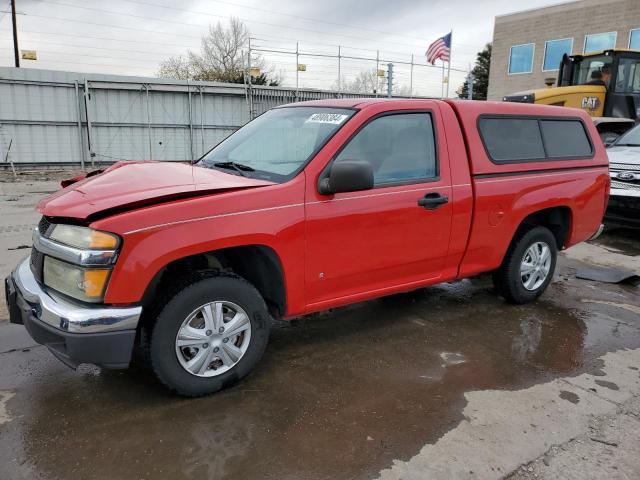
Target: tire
[
  {"x": 187, "y": 370},
  {"x": 508, "y": 280}
]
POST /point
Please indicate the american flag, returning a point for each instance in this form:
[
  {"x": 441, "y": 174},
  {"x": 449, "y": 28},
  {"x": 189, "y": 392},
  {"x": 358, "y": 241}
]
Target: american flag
[{"x": 440, "y": 49}]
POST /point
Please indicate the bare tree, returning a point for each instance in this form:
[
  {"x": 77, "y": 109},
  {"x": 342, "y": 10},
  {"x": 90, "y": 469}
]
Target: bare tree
[
  {"x": 175, "y": 67},
  {"x": 221, "y": 58},
  {"x": 368, "y": 81}
]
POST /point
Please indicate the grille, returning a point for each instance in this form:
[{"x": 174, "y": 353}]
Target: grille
[
  {"x": 625, "y": 186},
  {"x": 624, "y": 167},
  {"x": 37, "y": 258},
  {"x": 43, "y": 226},
  {"x": 37, "y": 264}
]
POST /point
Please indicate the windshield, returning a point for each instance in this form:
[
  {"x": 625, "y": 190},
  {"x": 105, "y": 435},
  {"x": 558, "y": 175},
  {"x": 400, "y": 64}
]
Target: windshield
[
  {"x": 630, "y": 139},
  {"x": 593, "y": 71},
  {"x": 277, "y": 144}
]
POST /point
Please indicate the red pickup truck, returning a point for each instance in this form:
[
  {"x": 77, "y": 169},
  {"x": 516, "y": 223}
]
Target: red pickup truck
[{"x": 308, "y": 207}]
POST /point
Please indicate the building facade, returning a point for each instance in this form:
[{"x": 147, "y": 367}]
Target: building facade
[{"x": 528, "y": 46}]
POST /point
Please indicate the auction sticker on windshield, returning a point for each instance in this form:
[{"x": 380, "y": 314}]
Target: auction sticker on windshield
[{"x": 334, "y": 118}]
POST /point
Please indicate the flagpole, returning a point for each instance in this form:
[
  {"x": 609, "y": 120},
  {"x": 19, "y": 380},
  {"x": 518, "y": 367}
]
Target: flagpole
[
  {"x": 442, "y": 81},
  {"x": 449, "y": 62}
]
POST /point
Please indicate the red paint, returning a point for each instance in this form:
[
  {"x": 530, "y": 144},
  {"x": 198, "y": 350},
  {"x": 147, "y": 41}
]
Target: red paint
[{"x": 346, "y": 247}]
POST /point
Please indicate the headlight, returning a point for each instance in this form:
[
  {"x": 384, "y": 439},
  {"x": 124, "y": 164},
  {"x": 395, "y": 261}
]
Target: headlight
[
  {"x": 86, "y": 284},
  {"x": 77, "y": 261},
  {"x": 83, "y": 237}
]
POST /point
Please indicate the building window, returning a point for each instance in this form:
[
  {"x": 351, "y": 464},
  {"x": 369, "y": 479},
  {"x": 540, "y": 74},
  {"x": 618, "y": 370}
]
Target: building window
[
  {"x": 634, "y": 39},
  {"x": 554, "y": 51},
  {"x": 521, "y": 59},
  {"x": 599, "y": 41}
]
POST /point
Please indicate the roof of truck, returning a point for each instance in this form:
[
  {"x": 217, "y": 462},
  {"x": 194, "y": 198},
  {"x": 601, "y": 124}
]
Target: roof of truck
[{"x": 475, "y": 107}]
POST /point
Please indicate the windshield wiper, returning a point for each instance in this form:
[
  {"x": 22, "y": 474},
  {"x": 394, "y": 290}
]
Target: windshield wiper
[
  {"x": 238, "y": 167},
  {"x": 627, "y": 145}
]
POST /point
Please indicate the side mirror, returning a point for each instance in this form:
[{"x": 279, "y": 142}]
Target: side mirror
[{"x": 347, "y": 176}]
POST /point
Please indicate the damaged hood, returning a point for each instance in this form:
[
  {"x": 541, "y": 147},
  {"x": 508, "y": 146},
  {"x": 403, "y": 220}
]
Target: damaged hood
[{"x": 134, "y": 184}]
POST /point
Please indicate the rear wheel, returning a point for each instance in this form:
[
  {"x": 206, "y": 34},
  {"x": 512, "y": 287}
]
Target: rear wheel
[
  {"x": 528, "y": 266},
  {"x": 209, "y": 335}
]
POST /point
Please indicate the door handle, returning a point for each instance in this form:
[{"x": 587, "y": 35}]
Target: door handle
[{"x": 431, "y": 201}]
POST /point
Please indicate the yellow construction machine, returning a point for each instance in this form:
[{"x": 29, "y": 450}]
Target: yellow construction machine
[{"x": 605, "y": 84}]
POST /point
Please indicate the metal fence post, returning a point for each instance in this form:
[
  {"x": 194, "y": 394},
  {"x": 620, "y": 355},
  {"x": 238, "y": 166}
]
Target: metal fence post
[
  {"x": 339, "y": 74},
  {"x": 146, "y": 87},
  {"x": 297, "y": 69},
  {"x": 190, "y": 121},
  {"x": 202, "y": 87},
  {"x": 250, "y": 89},
  {"x": 87, "y": 100},
  {"x": 79, "y": 112},
  {"x": 377, "y": 68}
]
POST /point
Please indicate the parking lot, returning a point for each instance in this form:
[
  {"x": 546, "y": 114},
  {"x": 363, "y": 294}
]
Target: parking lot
[{"x": 445, "y": 382}]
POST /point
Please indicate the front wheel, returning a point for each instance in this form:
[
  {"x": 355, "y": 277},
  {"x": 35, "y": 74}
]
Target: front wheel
[
  {"x": 528, "y": 266},
  {"x": 209, "y": 335}
]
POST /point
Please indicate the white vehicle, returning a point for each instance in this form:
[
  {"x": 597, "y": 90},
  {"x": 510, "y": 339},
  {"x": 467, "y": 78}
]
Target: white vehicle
[{"x": 624, "y": 165}]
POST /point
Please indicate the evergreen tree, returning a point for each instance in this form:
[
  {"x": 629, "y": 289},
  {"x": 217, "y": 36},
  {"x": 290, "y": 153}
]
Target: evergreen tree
[{"x": 481, "y": 76}]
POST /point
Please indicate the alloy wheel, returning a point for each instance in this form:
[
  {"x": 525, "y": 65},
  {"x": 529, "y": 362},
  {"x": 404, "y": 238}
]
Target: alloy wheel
[
  {"x": 535, "y": 265},
  {"x": 213, "y": 338}
]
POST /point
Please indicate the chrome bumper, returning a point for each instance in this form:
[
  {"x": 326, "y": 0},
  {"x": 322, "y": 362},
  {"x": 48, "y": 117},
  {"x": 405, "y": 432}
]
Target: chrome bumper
[
  {"x": 598, "y": 233},
  {"x": 66, "y": 316}
]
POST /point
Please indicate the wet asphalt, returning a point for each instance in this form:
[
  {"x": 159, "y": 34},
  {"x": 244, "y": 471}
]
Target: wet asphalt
[{"x": 337, "y": 395}]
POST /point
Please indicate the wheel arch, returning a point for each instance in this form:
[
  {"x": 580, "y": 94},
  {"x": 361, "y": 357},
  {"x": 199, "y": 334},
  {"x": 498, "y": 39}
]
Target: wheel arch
[
  {"x": 558, "y": 219},
  {"x": 258, "y": 264}
]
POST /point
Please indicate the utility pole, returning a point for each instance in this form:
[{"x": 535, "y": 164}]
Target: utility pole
[
  {"x": 389, "y": 79},
  {"x": 16, "y": 52}
]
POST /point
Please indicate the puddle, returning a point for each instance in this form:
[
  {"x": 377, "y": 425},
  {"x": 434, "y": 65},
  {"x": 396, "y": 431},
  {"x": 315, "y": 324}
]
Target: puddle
[{"x": 338, "y": 395}]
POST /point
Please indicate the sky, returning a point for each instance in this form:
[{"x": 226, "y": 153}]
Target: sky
[{"x": 131, "y": 37}]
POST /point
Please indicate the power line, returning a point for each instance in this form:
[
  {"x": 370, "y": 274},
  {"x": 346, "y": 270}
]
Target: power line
[
  {"x": 135, "y": 28},
  {"x": 290, "y": 15},
  {"x": 343, "y": 46},
  {"x": 108, "y": 25},
  {"x": 82, "y": 55},
  {"x": 96, "y": 64},
  {"x": 279, "y": 26},
  {"x": 128, "y": 51},
  {"x": 84, "y": 22},
  {"x": 137, "y": 42}
]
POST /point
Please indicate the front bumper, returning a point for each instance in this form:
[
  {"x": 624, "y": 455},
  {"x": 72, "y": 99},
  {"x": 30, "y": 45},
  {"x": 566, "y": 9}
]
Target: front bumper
[
  {"x": 74, "y": 333},
  {"x": 623, "y": 210}
]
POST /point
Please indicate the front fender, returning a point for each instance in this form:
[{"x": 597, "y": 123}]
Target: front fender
[{"x": 147, "y": 252}]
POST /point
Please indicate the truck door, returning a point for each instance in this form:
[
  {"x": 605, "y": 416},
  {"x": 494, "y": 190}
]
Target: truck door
[{"x": 394, "y": 236}]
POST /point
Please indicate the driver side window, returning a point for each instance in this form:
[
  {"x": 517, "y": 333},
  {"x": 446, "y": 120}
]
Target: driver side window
[{"x": 399, "y": 147}]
